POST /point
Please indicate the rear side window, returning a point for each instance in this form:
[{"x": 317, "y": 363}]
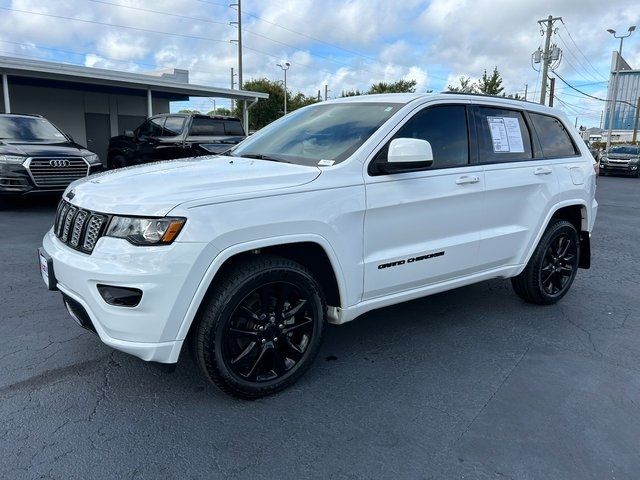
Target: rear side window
[
  {"x": 445, "y": 128},
  {"x": 173, "y": 126},
  {"x": 151, "y": 128},
  {"x": 503, "y": 136},
  {"x": 207, "y": 127},
  {"x": 233, "y": 127},
  {"x": 554, "y": 138}
]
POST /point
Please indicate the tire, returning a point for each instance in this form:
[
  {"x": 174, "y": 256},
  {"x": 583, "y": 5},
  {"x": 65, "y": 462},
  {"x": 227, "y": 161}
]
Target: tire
[
  {"x": 552, "y": 267},
  {"x": 260, "y": 328},
  {"x": 117, "y": 161}
]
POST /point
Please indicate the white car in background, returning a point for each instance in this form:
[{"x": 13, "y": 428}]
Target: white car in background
[{"x": 336, "y": 209}]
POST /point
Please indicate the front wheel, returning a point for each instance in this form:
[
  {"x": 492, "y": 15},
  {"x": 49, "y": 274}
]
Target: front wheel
[
  {"x": 552, "y": 267},
  {"x": 261, "y": 327},
  {"x": 118, "y": 161}
]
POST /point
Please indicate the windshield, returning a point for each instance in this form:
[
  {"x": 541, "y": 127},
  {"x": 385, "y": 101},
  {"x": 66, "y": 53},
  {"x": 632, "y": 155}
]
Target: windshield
[
  {"x": 625, "y": 150},
  {"x": 322, "y": 132},
  {"x": 29, "y": 129}
]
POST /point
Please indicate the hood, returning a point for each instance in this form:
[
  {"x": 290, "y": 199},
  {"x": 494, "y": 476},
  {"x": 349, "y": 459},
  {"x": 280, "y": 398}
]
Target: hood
[
  {"x": 39, "y": 149},
  {"x": 156, "y": 188},
  {"x": 621, "y": 156}
]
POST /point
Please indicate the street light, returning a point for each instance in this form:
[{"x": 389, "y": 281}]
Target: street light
[
  {"x": 284, "y": 68},
  {"x": 615, "y": 82}
]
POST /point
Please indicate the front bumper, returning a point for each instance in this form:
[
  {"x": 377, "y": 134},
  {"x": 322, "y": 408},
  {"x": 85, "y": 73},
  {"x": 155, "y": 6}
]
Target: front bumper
[
  {"x": 622, "y": 169},
  {"x": 15, "y": 180},
  {"x": 168, "y": 276}
]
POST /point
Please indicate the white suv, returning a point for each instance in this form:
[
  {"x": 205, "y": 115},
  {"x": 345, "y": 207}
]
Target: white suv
[{"x": 334, "y": 210}]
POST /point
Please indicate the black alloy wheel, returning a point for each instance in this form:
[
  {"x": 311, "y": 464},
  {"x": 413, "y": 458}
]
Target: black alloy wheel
[
  {"x": 558, "y": 265},
  {"x": 260, "y": 327},
  {"x": 268, "y": 333},
  {"x": 552, "y": 268}
]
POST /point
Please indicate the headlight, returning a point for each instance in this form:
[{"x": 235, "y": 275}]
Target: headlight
[
  {"x": 11, "y": 159},
  {"x": 634, "y": 161},
  {"x": 92, "y": 159},
  {"x": 145, "y": 231}
]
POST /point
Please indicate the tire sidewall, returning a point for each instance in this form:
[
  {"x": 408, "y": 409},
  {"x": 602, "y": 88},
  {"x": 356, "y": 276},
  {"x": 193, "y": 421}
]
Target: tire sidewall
[{"x": 307, "y": 286}]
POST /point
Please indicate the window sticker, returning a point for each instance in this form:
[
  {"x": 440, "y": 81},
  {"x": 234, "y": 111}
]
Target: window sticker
[
  {"x": 506, "y": 135},
  {"x": 326, "y": 163}
]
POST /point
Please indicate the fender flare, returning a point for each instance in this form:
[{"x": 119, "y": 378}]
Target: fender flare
[
  {"x": 232, "y": 250},
  {"x": 565, "y": 203}
]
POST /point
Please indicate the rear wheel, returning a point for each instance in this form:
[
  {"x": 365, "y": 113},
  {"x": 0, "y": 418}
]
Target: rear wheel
[
  {"x": 552, "y": 267},
  {"x": 118, "y": 161},
  {"x": 261, "y": 327}
]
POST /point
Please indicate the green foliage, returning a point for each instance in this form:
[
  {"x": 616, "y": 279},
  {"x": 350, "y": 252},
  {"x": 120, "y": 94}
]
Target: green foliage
[
  {"x": 491, "y": 84},
  {"x": 465, "y": 85},
  {"x": 400, "y": 86},
  {"x": 267, "y": 110},
  {"x": 220, "y": 111},
  {"x": 186, "y": 110}
]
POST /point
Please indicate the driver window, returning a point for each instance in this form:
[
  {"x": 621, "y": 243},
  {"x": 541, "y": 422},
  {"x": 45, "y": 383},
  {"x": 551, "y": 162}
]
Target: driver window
[
  {"x": 151, "y": 128},
  {"x": 445, "y": 127}
]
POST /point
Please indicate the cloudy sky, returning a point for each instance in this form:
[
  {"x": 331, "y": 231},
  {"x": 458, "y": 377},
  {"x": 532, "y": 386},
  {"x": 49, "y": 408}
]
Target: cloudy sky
[{"x": 344, "y": 44}]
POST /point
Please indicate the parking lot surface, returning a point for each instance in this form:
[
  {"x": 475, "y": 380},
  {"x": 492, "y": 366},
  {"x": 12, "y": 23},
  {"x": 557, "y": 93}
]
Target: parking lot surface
[{"x": 472, "y": 383}]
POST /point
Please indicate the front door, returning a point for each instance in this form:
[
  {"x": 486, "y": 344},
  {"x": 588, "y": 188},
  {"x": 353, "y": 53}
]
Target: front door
[
  {"x": 422, "y": 227},
  {"x": 98, "y": 129}
]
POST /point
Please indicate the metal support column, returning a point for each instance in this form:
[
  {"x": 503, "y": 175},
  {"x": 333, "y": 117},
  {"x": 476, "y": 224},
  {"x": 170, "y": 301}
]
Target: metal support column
[
  {"x": 5, "y": 93},
  {"x": 149, "y": 104}
]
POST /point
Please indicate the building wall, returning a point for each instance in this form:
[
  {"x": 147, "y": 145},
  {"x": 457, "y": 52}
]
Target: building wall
[
  {"x": 628, "y": 91},
  {"x": 67, "y": 107}
]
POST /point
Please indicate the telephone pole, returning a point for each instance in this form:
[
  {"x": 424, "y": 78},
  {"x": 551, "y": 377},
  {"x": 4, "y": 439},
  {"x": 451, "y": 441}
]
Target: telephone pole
[
  {"x": 552, "y": 91},
  {"x": 233, "y": 84},
  {"x": 547, "y": 25}
]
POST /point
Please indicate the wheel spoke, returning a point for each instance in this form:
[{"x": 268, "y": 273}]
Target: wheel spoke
[
  {"x": 548, "y": 277},
  {"x": 565, "y": 249},
  {"x": 252, "y": 315},
  {"x": 265, "y": 300},
  {"x": 305, "y": 323},
  {"x": 249, "y": 348},
  {"x": 279, "y": 362},
  {"x": 239, "y": 332},
  {"x": 285, "y": 290},
  {"x": 293, "y": 352},
  {"x": 253, "y": 371},
  {"x": 292, "y": 312}
]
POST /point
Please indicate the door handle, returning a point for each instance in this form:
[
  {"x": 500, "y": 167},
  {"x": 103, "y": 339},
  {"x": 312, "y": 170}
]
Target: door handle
[
  {"x": 466, "y": 179},
  {"x": 542, "y": 171}
]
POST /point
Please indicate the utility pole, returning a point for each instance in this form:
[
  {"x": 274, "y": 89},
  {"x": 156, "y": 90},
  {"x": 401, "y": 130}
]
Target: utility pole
[
  {"x": 326, "y": 92},
  {"x": 601, "y": 116},
  {"x": 612, "y": 105},
  {"x": 233, "y": 84},
  {"x": 245, "y": 113},
  {"x": 546, "y": 55},
  {"x": 526, "y": 89},
  {"x": 635, "y": 125},
  {"x": 552, "y": 91}
]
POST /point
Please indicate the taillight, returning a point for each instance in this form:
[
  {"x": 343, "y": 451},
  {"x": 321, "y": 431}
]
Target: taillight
[{"x": 596, "y": 168}]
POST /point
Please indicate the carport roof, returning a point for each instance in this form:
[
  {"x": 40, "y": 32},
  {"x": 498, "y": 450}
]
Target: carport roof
[{"x": 99, "y": 76}]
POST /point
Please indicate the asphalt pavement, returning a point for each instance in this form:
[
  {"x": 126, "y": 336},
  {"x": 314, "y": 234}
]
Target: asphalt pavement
[{"x": 471, "y": 383}]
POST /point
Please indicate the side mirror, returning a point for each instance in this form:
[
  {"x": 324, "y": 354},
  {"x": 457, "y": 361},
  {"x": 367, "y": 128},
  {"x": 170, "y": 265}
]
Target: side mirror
[
  {"x": 129, "y": 133},
  {"x": 407, "y": 154}
]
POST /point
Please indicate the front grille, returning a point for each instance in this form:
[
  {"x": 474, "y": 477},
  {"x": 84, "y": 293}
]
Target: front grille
[
  {"x": 78, "y": 228},
  {"x": 56, "y": 172},
  {"x": 619, "y": 162}
]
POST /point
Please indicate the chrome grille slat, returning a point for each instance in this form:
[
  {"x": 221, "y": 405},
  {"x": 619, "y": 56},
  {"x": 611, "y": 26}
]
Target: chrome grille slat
[
  {"x": 80, "y": 229},
  {"x": 44, "y": 174}
]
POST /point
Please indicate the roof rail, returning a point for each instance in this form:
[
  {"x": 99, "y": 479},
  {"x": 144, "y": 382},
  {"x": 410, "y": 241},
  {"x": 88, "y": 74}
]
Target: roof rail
[{"x": 473, "y": 94}]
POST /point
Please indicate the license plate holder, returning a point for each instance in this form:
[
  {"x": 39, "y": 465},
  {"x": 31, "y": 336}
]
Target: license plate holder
[{"x": 46, "y": 270}]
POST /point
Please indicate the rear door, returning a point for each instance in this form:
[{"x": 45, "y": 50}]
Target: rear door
[
  {"x": 421, "y": 227},
  {"x": 520, "y": 184},
  {"x": 171, "y": 143}
]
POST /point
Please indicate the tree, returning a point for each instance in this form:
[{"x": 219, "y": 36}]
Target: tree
[
  {"x": 491, "y": 84},
  {"x": 465, "y": 86},
  {"x": 220, "y": 111},
  {"x": 401, "y": 86},
  {"x": 187, "y": 110},
  {"x": 299, "y": 100}
]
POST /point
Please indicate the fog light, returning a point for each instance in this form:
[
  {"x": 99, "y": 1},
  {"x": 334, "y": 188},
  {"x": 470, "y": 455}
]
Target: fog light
[{"x": 120, "y": 296}]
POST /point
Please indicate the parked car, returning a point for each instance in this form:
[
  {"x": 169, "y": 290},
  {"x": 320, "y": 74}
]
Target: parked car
[
  {"x": 621, "y": 159},
  {"x": 35, "y": 156},
  {"x": 175, "y": 135},
  {"x": 337, "y": 209}
]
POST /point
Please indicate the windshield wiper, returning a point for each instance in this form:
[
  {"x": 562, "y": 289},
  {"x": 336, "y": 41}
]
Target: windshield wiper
[{"x": 260, "y": 156}]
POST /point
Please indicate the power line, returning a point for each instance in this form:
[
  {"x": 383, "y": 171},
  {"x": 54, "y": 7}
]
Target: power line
[
  {"x": 578, "y": 61},
  {"x": 579, "y": 50},
  {"x": 586, "y": 94},
  {"x": 258, "y": 17}
]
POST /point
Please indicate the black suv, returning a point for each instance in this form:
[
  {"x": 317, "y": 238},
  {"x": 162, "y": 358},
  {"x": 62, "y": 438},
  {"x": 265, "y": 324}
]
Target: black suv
[
  {"x": 35, "y": 156},
  {"x": 174, "y": 135}
]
